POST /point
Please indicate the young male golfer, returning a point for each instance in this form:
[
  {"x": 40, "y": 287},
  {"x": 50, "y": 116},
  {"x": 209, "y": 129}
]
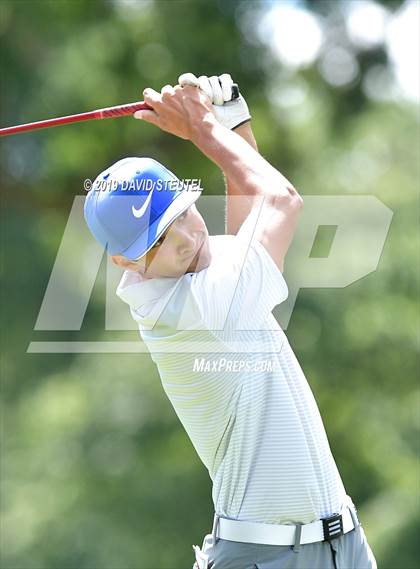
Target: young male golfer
[{"x": 203, "y": 306}]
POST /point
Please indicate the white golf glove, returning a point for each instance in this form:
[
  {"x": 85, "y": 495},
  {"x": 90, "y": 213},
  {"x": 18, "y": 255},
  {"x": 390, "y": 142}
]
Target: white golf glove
[{"x": 230, "y": 114}]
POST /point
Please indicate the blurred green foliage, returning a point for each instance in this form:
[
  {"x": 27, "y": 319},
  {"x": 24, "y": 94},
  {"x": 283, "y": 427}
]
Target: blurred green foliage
[{"x": 96, "y": 470}]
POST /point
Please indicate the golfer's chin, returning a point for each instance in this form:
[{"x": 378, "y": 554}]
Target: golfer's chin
[{"x": 198, "y": 266}]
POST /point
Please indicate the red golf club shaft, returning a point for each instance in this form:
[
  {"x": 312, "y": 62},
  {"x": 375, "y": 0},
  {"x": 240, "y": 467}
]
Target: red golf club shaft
[{"x": 108, "y": 112}]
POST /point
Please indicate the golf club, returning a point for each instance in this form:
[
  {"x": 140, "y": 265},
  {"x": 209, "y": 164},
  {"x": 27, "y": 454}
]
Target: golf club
[{"x": 108, "y": 112}]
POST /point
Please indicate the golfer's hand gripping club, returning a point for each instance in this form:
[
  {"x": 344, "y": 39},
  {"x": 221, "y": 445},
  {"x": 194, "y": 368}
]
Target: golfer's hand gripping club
[
  {"x": 183, "y": 110},
  {"x": 230, "y": 111}
]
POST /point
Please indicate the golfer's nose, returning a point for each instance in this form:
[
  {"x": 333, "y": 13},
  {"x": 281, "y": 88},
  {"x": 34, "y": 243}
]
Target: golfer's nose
[
  {"x": 188, "y": 244},
  {"x": 187, "y": 248}
]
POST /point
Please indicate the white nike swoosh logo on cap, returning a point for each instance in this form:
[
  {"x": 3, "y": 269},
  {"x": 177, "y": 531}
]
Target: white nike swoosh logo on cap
[{"x": 139, "y": 212}]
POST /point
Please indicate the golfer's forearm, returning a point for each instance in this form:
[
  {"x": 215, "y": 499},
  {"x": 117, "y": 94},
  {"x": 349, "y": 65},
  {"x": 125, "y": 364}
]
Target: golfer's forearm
[
  {"x": 243, "y": 167},
  {"x": 238, "y": 206},
  {"x": 245, "y": 132}
]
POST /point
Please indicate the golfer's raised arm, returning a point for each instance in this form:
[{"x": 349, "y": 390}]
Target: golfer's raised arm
[
  {"x": 238, "y": 206},
  {"x": 270, "y": 191},
  {"x": 187, "y": 113}
]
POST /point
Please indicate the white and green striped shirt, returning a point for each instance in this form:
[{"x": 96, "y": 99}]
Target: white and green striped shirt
[{"x": 236, "y": 385}]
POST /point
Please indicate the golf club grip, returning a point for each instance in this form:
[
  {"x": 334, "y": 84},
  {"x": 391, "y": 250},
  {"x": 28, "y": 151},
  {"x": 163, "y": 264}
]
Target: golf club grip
[
  {"x": 108, "y": 112},
  {"x": 131, "y": 108},
  {"x": 121, "y": 110}
]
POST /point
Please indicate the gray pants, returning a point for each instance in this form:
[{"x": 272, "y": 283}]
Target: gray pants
[{"x": 350, "y": 551}]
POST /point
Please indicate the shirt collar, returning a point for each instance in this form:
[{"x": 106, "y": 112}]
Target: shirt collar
[{"x": 136, "y": 291}]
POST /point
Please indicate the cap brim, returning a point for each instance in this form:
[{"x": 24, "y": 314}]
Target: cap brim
[{"x": 148, "y": 238}]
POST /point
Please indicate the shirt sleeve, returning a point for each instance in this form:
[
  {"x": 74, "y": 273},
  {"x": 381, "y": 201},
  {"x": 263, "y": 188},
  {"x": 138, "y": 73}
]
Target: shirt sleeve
[{"x": 242, "y": 290}]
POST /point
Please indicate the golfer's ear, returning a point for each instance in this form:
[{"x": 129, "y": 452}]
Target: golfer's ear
[
  {"x": 126, "y": 264},
  {"x": 120, "y": 261}
]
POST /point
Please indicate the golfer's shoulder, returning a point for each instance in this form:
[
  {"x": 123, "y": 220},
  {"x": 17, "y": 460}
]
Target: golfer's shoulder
[
  {"x": 233, "y": 257},
  {"x": 227, "y": 251},
  {"x": 242, "y": 281},
  {"x": 240, "y": 248}
]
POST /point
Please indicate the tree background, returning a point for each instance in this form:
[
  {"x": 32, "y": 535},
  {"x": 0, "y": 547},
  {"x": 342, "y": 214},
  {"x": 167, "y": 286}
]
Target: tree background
[{"x": 96, "y": 470}]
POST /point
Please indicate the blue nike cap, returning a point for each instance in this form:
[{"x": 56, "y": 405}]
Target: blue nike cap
[{"x": 132, "y": 203}]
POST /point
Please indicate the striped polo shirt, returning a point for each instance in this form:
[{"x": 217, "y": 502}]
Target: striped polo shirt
[{"x": 236, "y": 386}]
